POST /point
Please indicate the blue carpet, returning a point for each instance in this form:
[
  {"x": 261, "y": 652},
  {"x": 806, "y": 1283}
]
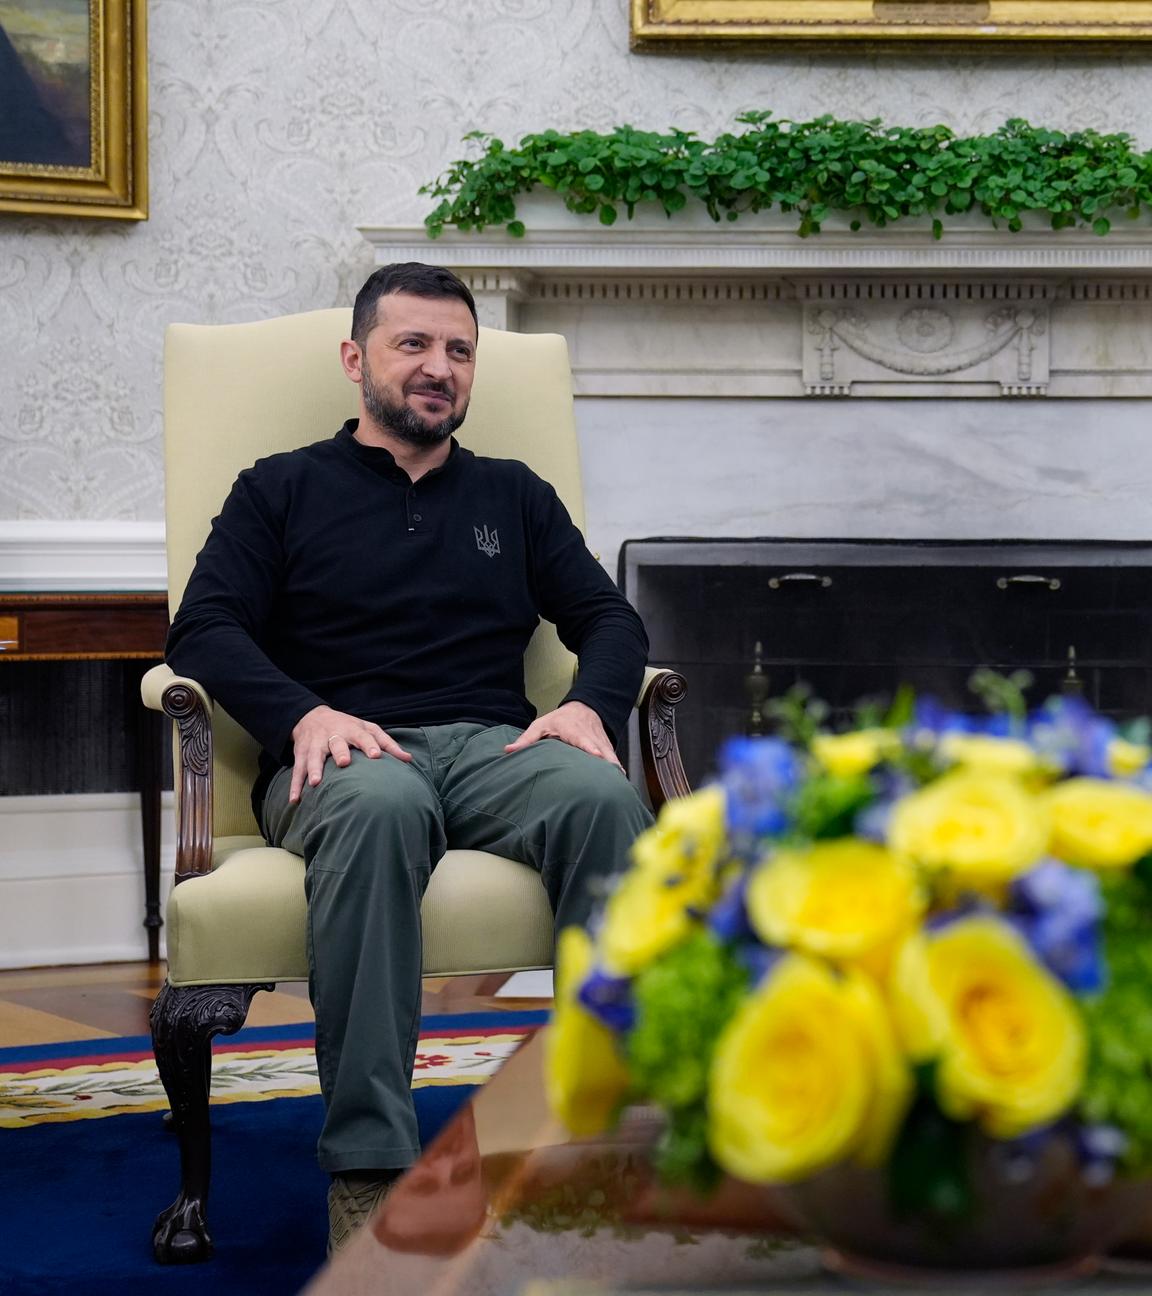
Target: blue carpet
[{"x": 77, "y": 1199}]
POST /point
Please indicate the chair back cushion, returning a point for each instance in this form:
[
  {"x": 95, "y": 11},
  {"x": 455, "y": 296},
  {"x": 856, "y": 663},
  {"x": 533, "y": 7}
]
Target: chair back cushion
[{"x": 234, "y": 393}]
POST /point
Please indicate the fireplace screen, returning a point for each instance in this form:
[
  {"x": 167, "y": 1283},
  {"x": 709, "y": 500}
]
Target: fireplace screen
[{"x": 855, "y": 619}]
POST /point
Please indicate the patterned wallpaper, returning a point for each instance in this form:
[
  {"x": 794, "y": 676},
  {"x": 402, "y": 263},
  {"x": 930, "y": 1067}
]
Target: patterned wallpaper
[{"x": 279, "y": 125}]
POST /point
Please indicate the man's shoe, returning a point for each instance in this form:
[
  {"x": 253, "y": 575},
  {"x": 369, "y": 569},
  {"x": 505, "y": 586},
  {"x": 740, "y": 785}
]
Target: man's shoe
[{"x": 352, "y": 1198}]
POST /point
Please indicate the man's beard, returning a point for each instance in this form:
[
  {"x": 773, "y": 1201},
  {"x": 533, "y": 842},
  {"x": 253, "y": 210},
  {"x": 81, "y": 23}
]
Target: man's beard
[{"x": 401, "y": 419}]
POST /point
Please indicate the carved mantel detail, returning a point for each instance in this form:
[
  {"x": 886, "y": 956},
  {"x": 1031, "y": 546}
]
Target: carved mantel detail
[{"x": 948, "y": 339}]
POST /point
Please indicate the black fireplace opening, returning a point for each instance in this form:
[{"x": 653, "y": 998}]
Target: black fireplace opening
[{"x": 855, "y": 619}]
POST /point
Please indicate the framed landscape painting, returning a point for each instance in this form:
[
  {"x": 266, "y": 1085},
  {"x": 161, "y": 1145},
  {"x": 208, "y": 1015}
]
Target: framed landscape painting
[
  {"x": 657, "y": 24},
  {"x": 74, "y": 108}
]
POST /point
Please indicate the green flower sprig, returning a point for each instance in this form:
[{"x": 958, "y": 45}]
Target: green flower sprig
[
  {"x": 1003, "y": 694},
  {"x": 1119, "y": 1020},
  {"x": 682, "y": 1005},
  {"x": 875, "y": 172},
  {"x": 797, "y": 715}
]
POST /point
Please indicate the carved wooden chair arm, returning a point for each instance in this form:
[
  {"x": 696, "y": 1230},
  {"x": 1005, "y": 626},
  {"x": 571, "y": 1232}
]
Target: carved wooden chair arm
[
  {"x": 189, "y": 705},
  {"x": 191, "y": 708},
  {"x": 664, "y": 774}
]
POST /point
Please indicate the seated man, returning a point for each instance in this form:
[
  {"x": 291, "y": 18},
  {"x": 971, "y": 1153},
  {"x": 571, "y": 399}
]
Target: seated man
[{"x": 362, "y": 607}]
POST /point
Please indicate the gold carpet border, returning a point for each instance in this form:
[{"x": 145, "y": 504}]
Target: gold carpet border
[{"x": 89, "y": 1091}]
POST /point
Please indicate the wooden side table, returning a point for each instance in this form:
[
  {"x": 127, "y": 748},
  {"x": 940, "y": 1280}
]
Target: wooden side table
[{"x": 104, "y": 627}]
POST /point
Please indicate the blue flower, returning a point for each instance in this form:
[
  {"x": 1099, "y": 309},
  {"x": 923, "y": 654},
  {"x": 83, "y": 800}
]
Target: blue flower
[
  {"x": 1074, "y": 954},
  {"x": 729, "y": 916},
  {"x": 729, "y": 922},
  {"x": 1099, "y": 1148},
  {"x": 1020, "y": 1157},
  {"x": 932, "y": 722},
  {"x": 1067, "y": 732},
  {"x": 871, "y": 822},
  {"x": 967, "y": 906},
  {"x": 1057, "y": 909},
  {"x": 758, "y": 776},
  {"x": 1054, "y": 887},
  {"x": 609, "y": 999},
  {"x": 931, "y": 717},
  {"x": 758, "y": 959}
]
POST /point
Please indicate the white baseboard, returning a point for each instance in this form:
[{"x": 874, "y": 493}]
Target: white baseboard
[
  {"x": 72, "y": 878},
  {"x": 82, "y": 556}
]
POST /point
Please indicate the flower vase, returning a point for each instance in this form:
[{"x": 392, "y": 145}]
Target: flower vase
[{"x": 1033, "y": 1217}]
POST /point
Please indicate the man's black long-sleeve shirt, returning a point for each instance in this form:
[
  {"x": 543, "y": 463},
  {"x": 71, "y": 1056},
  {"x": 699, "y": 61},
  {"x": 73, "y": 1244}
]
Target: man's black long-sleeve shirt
[{"x": 330, "y": 577}]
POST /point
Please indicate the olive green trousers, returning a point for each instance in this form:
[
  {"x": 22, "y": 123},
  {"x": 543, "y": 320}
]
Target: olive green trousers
[{"x": 370, "y": 835}]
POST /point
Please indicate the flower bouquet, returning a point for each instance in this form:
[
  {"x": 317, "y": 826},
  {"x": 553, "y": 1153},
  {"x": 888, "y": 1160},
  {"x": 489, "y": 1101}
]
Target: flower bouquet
[{"x": 904, "y": 971}]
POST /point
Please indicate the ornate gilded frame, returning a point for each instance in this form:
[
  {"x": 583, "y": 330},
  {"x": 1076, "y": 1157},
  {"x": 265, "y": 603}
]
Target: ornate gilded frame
[
  {"x": 115, "y": 183},
  {"x": 659, "y": 24}
]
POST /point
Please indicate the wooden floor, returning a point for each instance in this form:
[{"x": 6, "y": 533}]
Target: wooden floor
[{"x": 54, "y": 1005}]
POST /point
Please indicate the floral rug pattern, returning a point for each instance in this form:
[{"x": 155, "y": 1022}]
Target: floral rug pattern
[{"x": 82, "y": 1088}]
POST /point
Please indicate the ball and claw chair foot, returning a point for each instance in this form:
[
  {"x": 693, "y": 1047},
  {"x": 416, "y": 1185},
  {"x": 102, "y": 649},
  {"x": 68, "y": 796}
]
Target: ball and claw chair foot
[
  {"x": 180, "y": 1234},
  {"x": 184, "y": 1021}
]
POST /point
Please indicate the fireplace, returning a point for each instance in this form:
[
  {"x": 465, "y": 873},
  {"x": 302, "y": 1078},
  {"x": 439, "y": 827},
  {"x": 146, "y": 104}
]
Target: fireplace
[
  {"x": 946, "y": 403},
  {"x": 856, "y": 618}
]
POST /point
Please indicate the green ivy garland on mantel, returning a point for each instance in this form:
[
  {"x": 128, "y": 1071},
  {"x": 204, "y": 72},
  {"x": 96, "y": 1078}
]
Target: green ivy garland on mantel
[{"x": 875, "y": 173}]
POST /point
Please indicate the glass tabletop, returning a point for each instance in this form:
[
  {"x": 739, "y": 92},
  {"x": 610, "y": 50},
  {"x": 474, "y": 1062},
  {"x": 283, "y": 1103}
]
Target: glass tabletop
[{"x": 506, "y": 1203}]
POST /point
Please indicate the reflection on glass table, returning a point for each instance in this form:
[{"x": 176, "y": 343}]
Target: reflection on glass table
[{"x": 505, "y": 1203}]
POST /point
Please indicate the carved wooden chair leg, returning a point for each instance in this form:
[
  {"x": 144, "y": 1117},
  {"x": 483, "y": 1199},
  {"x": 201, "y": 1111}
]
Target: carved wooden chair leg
[{"x": 184, "y": 1019}]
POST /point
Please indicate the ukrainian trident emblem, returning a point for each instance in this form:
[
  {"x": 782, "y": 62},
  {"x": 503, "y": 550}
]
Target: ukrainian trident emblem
[{"x": 487, "y": 541}]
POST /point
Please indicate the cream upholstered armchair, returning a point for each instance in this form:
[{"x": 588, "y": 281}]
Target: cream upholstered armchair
[{"x": 236, "y": 918}]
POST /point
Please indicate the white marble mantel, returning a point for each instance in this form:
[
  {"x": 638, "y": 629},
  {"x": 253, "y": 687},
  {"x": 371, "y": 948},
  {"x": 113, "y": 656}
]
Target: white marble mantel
[
  {"x": 702, "y": 329},
  {"x": 686, "y": 307}
]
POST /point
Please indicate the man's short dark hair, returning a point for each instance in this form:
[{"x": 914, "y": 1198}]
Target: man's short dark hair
[{"x": 412, "y": 277}]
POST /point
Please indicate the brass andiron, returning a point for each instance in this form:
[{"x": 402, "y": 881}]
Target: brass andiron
[
  {"x": 1071, "y": 685},
  {"x": 756, "y": 689}
]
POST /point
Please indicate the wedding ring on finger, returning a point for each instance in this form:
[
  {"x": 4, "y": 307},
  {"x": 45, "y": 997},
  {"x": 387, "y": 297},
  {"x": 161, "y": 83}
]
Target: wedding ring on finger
[{"x": 332, "y": 738}]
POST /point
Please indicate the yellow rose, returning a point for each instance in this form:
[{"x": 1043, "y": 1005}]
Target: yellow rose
[
  {"x": 676, "y": 868},
  {"x": 586, "y": 1080},
  {"x": 807, "y": 1073},
  {"x": 1126, "y": 759},
  {"x": 687, "y": 840},
  {"x": 985, "y": 829},
  {"x": 644, "y": 916},
  {"x": 851, "y": 754},
  {"x": 987, "y": 754},
  {"x": 917, "y": 1010},
  {"x": 1098, "y": 824},
  {"x": 847, "y": 900},
  {"x": 1007, "y": 1036}
]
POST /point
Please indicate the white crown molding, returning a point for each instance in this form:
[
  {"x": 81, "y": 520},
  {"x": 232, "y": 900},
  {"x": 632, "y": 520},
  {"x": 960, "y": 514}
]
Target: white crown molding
[
  {"x": 81, "y": 556},
  {"x": 560, "y": 241}
]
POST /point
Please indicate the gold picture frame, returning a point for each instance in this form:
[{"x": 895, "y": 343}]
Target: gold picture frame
[
  {"x": 659, "y": 24},
  {"x": 74, "y": 108}
]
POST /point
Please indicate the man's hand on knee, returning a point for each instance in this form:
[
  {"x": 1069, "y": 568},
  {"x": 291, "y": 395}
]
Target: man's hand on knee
[
  {"x": 322, "y": 732},
  {"x": 574, "y": 723}
]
